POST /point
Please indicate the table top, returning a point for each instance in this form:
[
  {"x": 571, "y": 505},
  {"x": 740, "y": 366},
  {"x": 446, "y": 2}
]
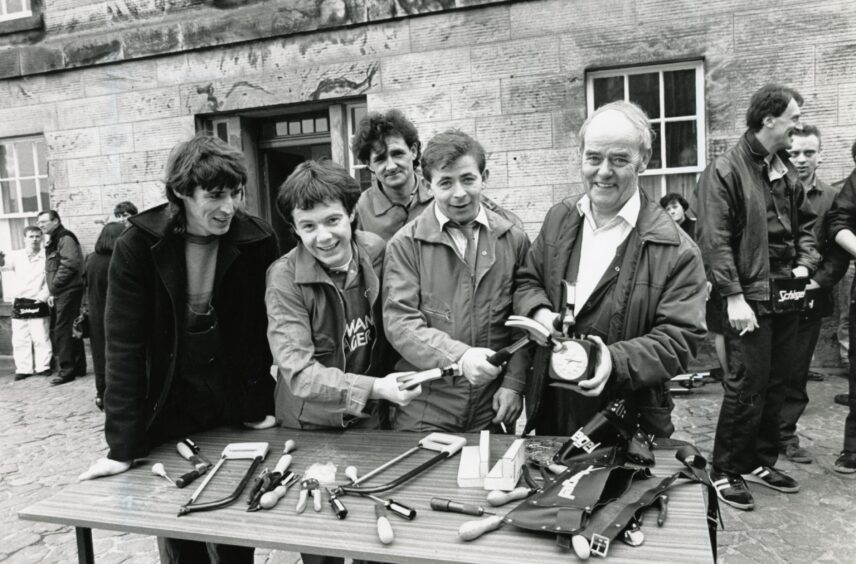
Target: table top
[{"x": 140, "y": 502}]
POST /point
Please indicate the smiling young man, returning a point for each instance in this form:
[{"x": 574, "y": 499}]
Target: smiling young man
[
  {"x": 186, "y": 322},
  {"x": 389, "y": 145},
  {"x": 638, "y": 277},
  {"x": 756, "y": 227},
  {"x": 323, "y": 304},
  {"x": 449, "y": 278}
]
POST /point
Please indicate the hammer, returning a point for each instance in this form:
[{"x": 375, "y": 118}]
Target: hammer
[{"x": 535, "y": 333}]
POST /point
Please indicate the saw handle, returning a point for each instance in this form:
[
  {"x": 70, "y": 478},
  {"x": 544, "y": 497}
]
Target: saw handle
[
  {"x": 472, "y": 530},
  {"x": 186, "y": 479},
  {"x": 443, "y": 442}
]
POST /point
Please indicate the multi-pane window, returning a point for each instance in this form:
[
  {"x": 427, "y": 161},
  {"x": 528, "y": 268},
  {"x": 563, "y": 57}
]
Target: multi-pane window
[
  {"x": 673, "y": 97},
  {"x": 23, "y": 186},
  {"x": 14, "y": 9}
]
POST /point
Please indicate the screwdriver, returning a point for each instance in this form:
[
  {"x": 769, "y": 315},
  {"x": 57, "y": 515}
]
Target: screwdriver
[
  {"x": 384, "y": 527},
  {"x": 442, "y": 504},
  {"x": 396, "y": 507}
]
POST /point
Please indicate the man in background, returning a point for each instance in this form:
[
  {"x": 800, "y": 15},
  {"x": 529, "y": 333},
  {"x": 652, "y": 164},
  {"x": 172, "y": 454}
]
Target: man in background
[{"x": 31, "y": 345}]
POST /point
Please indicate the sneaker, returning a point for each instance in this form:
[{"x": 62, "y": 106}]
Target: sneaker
[
  {"x": 732, "y": 489},
  {"x": 772, "y": 478},
  {"x": 842, "y": 399},
  {"x": 796, "y": 453},
  {"x": 846, "y": 463},
  {"x": 19, "y": 377}
]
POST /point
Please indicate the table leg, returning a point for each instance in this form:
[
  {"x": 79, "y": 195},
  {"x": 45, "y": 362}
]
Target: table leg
[{"x": 85, "y": 555}]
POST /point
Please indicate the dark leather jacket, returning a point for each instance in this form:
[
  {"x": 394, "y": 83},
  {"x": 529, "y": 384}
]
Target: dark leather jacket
[
  {"x": 146, "y": 300},
  {"x": 63, "y": 262},
  {"x": 732, "y": 229}
]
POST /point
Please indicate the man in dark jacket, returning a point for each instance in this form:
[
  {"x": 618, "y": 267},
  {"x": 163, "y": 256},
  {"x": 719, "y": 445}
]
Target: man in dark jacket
[
  {"x": 842, "y": 230},
  {"x": 186, "y": 322},
  {"x": 755, "y": 230},
  {"x": 64, "y": 274},
  {"x": 805, "y": 155},
  {"x": 638, "y": 278}
]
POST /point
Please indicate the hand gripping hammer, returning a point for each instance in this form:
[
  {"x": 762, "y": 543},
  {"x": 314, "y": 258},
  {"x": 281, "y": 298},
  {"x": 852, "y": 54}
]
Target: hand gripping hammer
[{"x": 534, "y": 333}]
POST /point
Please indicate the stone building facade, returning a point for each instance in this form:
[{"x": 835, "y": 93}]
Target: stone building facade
[{"x": 98, "y": 92}]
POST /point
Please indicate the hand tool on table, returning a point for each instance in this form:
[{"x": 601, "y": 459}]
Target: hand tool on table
[
  {"x": 159, "y": 470},
  {"x": 398, "y": 508},
  {"x": 268, "y": 482},
  {"x": 261, "y": 480},
  {"x": 534, "y": 333},
  {"x": 498, "y": 497},
  {"x": 270, "y": 499},
  {"x": 443, "y": 504},
  {"x": 410, "y": 381},
  {"x": 444, "y": 444},
  {"x": 188, "y": 449},
  {"x": 233, "y": 451},
  {"x": 384, "y": 528},
  {"x": 309, "y": 487},
  {"x": 289, "y": 447}
]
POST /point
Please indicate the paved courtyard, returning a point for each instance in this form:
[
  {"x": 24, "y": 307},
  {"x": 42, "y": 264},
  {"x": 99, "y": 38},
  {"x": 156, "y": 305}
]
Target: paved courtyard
[{"x": 49, "y": 435}]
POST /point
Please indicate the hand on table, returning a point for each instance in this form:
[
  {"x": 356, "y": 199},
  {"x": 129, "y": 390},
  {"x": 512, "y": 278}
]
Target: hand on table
[
  {"x": 266, "y": 423},
  {"x": 476, "y": 368},
  {"x": 595, "y": 385},
  {"x": 104, "y": 467},
  {"x": 507, "y": 404},
  {"x": 388, "y": 388}
]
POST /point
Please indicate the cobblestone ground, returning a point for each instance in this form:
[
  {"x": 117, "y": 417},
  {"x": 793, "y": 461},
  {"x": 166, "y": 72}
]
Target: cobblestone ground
[{"x": 49, "y": 435}]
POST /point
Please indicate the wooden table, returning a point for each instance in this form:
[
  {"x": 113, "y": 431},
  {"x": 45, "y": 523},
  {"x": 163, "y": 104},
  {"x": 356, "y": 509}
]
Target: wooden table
[{"x": 140, "y": 502}]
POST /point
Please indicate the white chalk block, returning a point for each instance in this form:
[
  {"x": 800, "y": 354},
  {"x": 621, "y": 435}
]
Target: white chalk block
[
  {"x": 484, "y": 453},
  {"x": 469, "y": 467},
  {"x": 507, "y": 471}
]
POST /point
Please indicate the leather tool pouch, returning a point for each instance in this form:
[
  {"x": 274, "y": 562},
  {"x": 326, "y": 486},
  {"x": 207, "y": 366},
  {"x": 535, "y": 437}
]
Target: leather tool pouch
[
  {"x": 787, "y": 295},
  {"x": 614, "y": 427}
]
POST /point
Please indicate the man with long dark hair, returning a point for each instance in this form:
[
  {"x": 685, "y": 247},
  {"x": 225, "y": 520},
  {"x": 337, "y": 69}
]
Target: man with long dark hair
[{"x": 186, "y": 322}]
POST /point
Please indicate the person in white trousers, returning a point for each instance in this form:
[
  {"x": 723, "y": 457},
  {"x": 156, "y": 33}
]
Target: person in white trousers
[{"x": 31, "y": 344}]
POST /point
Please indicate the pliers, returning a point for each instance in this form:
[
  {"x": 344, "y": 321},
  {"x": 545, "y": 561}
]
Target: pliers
[{"x": 309, "y": 486}]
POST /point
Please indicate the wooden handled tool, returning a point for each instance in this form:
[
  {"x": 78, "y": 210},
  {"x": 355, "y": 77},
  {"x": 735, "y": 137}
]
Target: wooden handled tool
[
  {"x": 499, "y": 497},
  {"x": 472, "y": 530},
  {"x": 384, "y": 527}
]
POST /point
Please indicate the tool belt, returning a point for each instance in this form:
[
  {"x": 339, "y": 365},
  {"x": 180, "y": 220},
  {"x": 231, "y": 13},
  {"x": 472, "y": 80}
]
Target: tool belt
[{"x": 25, "y": 308}]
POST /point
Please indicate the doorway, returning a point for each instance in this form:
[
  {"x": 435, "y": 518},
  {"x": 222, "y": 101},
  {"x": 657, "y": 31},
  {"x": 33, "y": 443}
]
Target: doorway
[{"x": 278, "y": 163}]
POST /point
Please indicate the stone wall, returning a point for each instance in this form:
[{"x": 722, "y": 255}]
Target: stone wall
[{"x": 113, "y": 85}]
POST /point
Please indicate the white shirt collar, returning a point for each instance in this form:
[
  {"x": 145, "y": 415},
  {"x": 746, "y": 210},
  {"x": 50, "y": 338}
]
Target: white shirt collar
[
  {"x": 629, "y": 212},
  {"x": 481, "y": 217}
]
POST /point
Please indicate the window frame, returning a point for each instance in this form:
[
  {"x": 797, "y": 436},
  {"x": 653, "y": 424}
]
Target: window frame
[
  {"x": 700, "y": 115},
  {"x": 40, "y": 177},
  {"x": 25, "y": 13}
]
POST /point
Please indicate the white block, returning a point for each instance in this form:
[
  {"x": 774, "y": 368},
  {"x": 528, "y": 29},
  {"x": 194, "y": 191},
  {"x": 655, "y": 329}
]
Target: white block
[
  {"x": 484, "y": 453},
  {"x": 468, "y": 469},
  {"x": 506, "y": 472}
]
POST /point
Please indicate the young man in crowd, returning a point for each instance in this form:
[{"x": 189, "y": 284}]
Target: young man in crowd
[
  {"x": 805, "y": 153},
  {"x": 638, "y": 278},
  {"x": 324, "y": 314},
  {"x": 31, "y": 343},
  {"x": 124, "y": 211},
  {"x": 186, "y": 322},
  {"x": 448, "y": 283},
  {"x": 676, "y": 206},
  {"x": 388, "y": 144},
  {"x": 842, "y": 229},
  {"x": 756, "y": 227}
]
